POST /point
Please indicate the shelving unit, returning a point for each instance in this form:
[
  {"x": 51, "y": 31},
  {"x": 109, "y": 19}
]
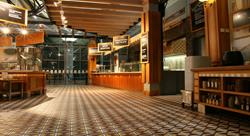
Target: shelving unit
[{"x": 226, "y": 88}]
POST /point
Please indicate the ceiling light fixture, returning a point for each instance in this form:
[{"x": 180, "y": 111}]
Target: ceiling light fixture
[
  {"x": 203, "y": 0},
  {"x": 57, "y": 3},
  {"x": 63, "y": 17},
  {"x": 65, "y": 21},
  {"x": 24, "y": 31},
  {"x": 5, "y": 30}
]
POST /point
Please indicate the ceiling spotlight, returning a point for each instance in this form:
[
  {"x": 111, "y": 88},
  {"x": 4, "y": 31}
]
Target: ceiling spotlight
[
  {"x": 5, "y": 30},
  {"x": 57, "y": 3},
  {"x": 63, "y": 17},
  {"x": 24, "y": 31},
  {"x": 61, "y": 12},
  {"x": 203, "y": 0}
]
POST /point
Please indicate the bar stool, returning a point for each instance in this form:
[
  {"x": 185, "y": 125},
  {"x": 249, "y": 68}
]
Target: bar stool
[{"x": 10, "y": 82}]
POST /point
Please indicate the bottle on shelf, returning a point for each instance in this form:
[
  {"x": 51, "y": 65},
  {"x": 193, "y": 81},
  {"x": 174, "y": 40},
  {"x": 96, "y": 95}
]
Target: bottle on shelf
[
  {"x": 247, "y": 104},
  {"x": 212, "y": 84},
  {"x": 231, "y": 102},
  {"x": 215, "y": 84},
  {"x": 236, "y": 102},
  {"x": 243, "y": 104},
  {"x": 208, "y": 83}
]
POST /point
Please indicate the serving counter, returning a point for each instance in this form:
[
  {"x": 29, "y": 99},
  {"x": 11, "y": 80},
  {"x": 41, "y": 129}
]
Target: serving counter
[
  {"x": 123, "y": 80},
  {"x": 34, "y": 81}
]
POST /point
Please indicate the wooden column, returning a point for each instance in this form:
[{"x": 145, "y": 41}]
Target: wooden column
[
  {"x": 151, "y": 71},
  {"x": 91, "y": 61},
  {"x": 217, "y": 29}
]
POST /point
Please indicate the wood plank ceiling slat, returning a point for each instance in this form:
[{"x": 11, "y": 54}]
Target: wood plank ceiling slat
[{"x": 100, "y": 16}]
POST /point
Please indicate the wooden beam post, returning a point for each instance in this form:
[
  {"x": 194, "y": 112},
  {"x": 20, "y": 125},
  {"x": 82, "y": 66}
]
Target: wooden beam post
[
  {"x": 217, "y": 30},
  {"x": 151, "y": 71},
  {"x": 91, "y": 61}
]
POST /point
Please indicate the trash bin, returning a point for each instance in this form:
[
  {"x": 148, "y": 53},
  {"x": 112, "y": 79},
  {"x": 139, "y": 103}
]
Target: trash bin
[{"x": 187, "y": 99}]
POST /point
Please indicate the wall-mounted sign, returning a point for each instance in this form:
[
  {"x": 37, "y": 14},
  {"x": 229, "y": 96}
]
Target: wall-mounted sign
[
  {"x": 144, "y": 48},
  {"x": 105, "y": 47},
  {"x": 93, "y": 51},
  {"x": 121, "y": 41},
  {"x": 6, "y": 41},
  {"x": 13, "y": 14},
  {"x": 197, "y": 15},
  {"x": 30, "y": 39}
]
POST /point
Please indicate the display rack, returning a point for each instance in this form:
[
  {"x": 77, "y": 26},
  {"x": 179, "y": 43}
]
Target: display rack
[{"x": 226, "y": 88}]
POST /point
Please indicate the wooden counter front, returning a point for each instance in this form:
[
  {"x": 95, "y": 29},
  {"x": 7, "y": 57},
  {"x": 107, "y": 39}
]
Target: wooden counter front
[
  {"x": 131, "y": 81},
  {"x": 34, "y": 81}
]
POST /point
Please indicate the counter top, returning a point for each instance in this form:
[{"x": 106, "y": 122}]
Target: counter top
[
  {"x": 223, "y": 68},
  {"x": 22, "y": 71},
  {"x": 115, "y": 73}
]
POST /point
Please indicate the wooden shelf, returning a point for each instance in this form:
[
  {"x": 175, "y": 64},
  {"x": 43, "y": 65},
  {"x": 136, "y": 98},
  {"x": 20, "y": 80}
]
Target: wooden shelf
[
  {"x": 210, "y": 90},
  {"x": 228, "y": 109},
  {"x": 239, "y": 10},
  {"x": 242, "y": 27},
  {"x": 237, "y": 93}
]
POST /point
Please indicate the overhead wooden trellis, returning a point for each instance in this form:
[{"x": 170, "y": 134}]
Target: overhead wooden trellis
[{"x": 105, "y": 17}]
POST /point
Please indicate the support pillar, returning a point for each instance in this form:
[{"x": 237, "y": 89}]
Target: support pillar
[
  {"x": 217, "y": 29},
  {"x": 91, "y": 61},
  {"x": 152, "y": 71}
]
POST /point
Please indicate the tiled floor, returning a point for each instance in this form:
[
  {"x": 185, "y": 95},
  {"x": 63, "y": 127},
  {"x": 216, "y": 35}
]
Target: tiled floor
[{"x": 90, "y": 110}]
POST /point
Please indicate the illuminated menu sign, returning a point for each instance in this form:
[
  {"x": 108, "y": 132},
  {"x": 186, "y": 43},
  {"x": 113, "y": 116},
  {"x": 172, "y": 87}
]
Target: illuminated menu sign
[
  {"x": 144, "y": 48},
  {"x": 12, "y": 14},
  {"x": 105, "y": 47},
  {"x": 197, "y": 15},
  {"x": 121, "y": 40},
  {"x": 93, "y": 51}
]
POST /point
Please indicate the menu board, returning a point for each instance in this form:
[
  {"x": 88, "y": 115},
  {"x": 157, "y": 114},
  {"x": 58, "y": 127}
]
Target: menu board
[
  {"x": 197, "y": 15},
  {"x": 121, "y": 40},
  {"x": 144, "y": 48},
  {"x": 30, "y": 39},
  {"x": 12, "y": 14},
  {"x": 93, "y": 51},
  {"x": 105, "y": 47}
]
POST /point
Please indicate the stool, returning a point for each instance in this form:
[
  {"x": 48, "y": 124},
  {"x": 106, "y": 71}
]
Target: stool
[{"x": 10, "y": 83}]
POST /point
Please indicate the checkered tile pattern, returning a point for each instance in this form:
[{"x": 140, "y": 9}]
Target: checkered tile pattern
[{"x": 92, "y": 111}]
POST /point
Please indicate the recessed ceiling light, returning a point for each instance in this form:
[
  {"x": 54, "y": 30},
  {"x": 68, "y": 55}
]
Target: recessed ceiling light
[{"x": 5, "y": 30}]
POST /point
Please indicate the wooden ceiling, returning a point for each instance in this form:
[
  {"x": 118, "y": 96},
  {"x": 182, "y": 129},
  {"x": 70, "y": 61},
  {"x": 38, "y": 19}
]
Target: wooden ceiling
[{"x": 105, "y": 17}]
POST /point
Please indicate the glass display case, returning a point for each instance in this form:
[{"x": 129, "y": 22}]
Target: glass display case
[{"x": 174, "y": 63}]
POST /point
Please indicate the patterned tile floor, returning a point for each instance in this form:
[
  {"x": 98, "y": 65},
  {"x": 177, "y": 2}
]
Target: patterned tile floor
[{"x": 89, "y": 110}]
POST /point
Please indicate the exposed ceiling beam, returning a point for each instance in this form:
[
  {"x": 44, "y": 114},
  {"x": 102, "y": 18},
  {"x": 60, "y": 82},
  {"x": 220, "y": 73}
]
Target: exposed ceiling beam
[
  {"x": 128, "y": 22},
  {"x": 82, "y": 15},
  {"x": 136, "y": 3},
  {"x": 107, "y": 27},
  {"x": 93, "y": 12},
  {"x": 110, "y": 7},
  {"x": 72, "y": 22}
]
